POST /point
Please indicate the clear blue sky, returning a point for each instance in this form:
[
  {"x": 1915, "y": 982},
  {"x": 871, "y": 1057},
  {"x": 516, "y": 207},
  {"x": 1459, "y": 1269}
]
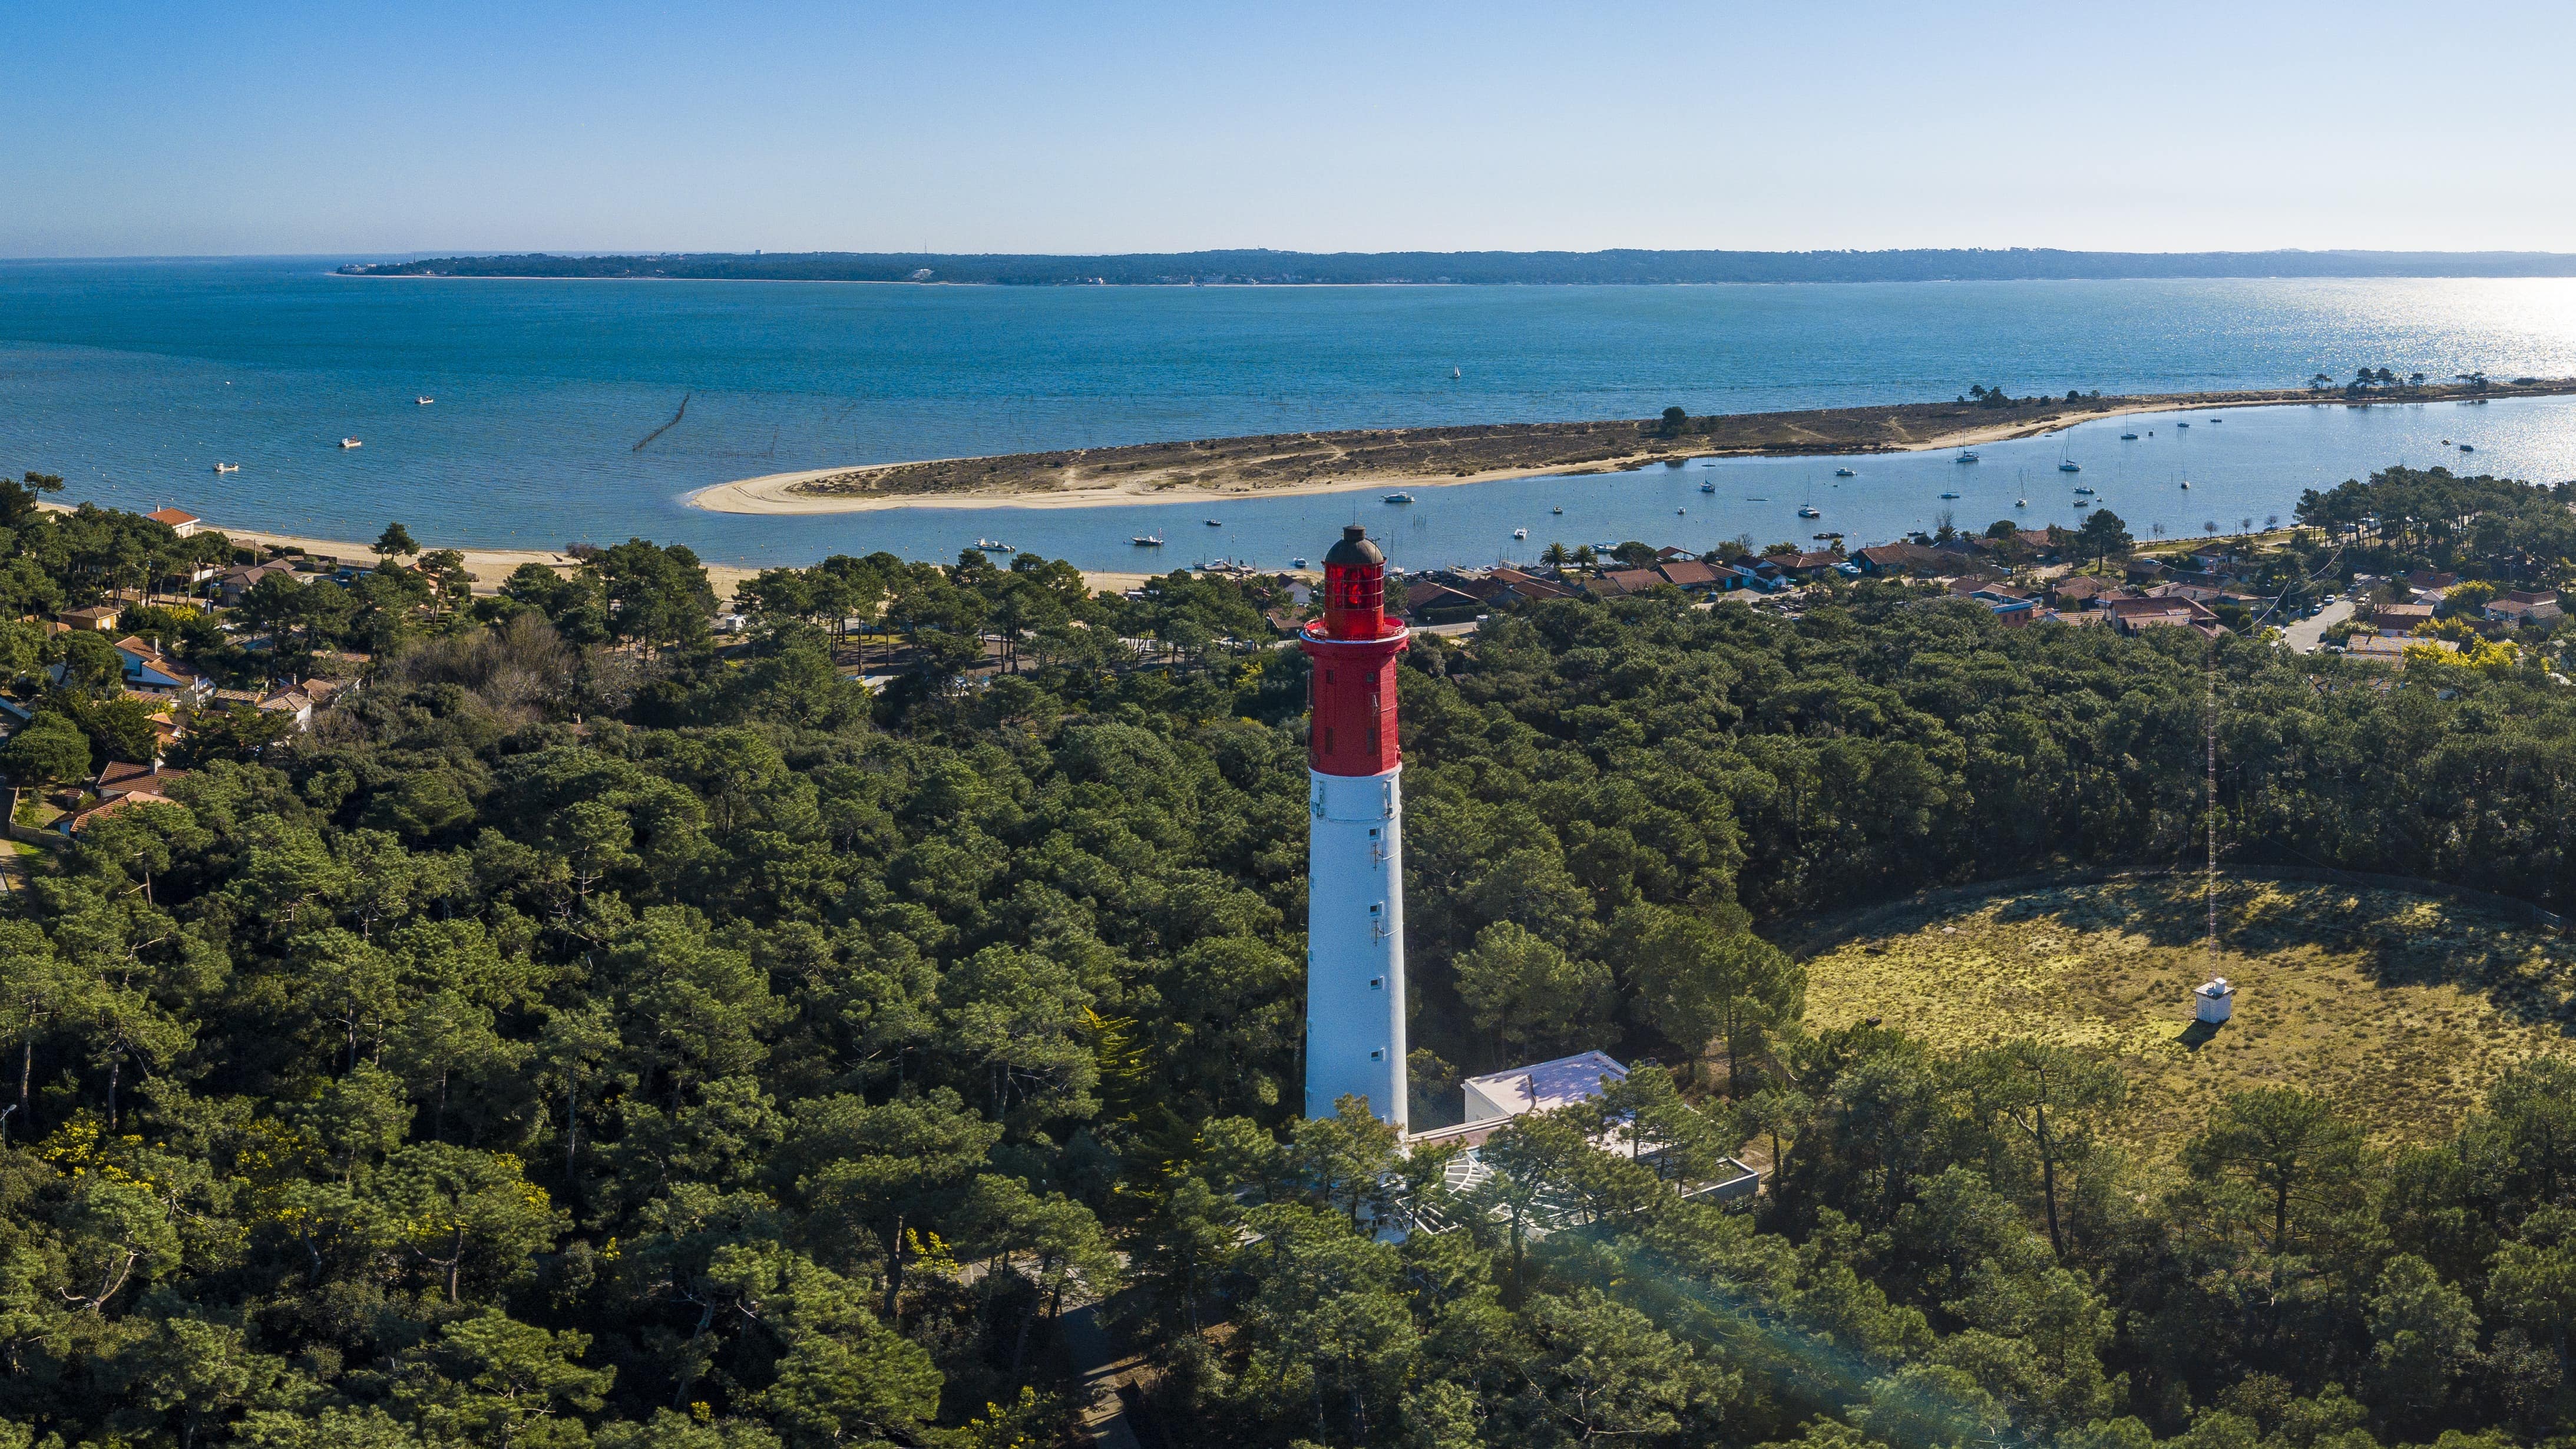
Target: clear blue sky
[{"x": 196, "y": 128}]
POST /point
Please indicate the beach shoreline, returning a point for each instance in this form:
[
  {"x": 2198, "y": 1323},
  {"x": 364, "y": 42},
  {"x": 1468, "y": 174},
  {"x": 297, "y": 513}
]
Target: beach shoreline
[{"x": 1222, "y": 469}]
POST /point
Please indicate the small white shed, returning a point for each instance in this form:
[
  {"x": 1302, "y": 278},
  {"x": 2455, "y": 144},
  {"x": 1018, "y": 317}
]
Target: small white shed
[{"x": 2214, "y": 1001}]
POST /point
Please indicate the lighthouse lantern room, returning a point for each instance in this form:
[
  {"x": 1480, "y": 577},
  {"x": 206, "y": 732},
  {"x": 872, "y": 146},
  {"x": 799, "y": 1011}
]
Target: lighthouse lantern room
[{"x": 1355, "y": 885}]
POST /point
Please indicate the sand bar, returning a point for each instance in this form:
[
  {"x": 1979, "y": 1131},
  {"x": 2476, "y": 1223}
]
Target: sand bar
[{"x": 1296, "y": 464}]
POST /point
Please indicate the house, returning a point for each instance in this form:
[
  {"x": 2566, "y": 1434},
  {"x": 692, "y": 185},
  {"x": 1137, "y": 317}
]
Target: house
[
  {"x": 2015, "y": 613},
  {"x": 97, "y": 618},
  {"x": 240, "y": 579},
  {"x": 179, "y": 520},
  {"x": 2422, "y": 581},
  {"x": 1669, "y": 554},
  {"x": 2521, "y": 607},
  {"x": 1626, "y": 581},
  {"x": 2142, "y": 570},
  {"x": 1530, "y": 586},
  {"x": 289, "y": 700},
  {"x": 1809, "y": 565},
  {"x": 121, "y": 777},
  {"x": 2391, "y": 648},
  {"x": 1431, "y": 603},
  {"x": 75, "y": 824},
  {"x": 2078, "y": 592},
  {"x": 1690, "y": 574},
  {"x": 148, "y": 670},
  {"x": 2130, "y": 616},
  {"x": 2400, "y": 618},
  {"x": 1899, "y": 559}
]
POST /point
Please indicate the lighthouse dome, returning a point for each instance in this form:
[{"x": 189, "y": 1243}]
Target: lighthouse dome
[{"x": 1354, "y": 551}]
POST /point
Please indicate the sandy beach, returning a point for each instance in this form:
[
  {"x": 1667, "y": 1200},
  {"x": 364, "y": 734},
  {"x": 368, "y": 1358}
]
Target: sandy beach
[{"x": 1294, "y": 465}]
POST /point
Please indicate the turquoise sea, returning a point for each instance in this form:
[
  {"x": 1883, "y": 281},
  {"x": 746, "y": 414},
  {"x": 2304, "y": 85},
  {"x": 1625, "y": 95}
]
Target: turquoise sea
[{"x": 134, "y": 379}]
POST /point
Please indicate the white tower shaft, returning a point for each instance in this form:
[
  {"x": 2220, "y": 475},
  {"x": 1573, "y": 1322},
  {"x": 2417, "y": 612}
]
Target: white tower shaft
[{"x": 1355, "y": 944}]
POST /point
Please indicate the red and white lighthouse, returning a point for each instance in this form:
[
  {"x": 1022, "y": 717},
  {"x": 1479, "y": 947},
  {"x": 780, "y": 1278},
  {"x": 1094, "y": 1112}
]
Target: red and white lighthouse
[{"x": 1355, "y": 875}]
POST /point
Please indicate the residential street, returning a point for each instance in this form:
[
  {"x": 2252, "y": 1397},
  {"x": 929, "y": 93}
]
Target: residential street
[{"x": 2305, "y": 635}]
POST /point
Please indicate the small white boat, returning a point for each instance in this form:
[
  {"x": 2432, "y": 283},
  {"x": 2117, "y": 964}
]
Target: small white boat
[
  {"x": 1845, "y": 473},
  {"x": 424, "y": 401},
  {"x": 2186, "y": 484},
  {"x": 1296, "y": 563},
  {"x": 2070, "y": 466},
  {"x": 1966, "y": 457},
  {"x": 1708, "y": 488},
  {"x": 1556, "y": 510},
  {"x": 1810, "y": 511},
  {"x": 2083, "y": 502},
  {"x": 228, "y": 467},
  {"x": 1212, "y": 523},
  {"x": 1455, "y": 374},
  {"x": 351, "y": 443},
  {"x": 1146, "y": 540},
  {"x": 1681, "y": 510},
  {"x": 1520, "y": 533},
  {"x": 992, "y": 545},
  {"x": 2021, "y": 503},
  {"x": 1399, "y": 498}
]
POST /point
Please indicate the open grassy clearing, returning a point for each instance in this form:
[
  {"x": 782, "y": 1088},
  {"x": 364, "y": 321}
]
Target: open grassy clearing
[{"x": 2401, "y": 1008}]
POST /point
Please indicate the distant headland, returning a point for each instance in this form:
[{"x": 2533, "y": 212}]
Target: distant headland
[{"x": 1259, "y": 267}]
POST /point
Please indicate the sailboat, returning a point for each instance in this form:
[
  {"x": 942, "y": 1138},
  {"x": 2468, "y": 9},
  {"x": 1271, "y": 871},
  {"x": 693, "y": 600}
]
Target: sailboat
[
  {"x": 1845, "y": 473},
  {"x": 1455, "y": 374},
  {"x": 2066, "y": 464},
  {"x": 1966, "y": 456},
  {"x": 1808, "y": 508}
]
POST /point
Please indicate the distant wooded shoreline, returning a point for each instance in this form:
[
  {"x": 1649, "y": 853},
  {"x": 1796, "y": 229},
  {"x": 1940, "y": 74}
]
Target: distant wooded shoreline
[{"x": 1624, "y": 267}]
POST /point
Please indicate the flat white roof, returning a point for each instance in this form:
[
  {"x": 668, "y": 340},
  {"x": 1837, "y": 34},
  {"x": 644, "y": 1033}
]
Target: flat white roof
[{"x": 1545, "y": 1086}]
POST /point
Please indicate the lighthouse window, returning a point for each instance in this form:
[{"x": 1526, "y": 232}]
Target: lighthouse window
[
  {"x": 1372, "y": 835},
  {"x": 1373, "y": 910},
  {"x": 1377, "y": 1056},
  {"x": 1377, "y": 983},
  {"x": 1328, "y": 739}
]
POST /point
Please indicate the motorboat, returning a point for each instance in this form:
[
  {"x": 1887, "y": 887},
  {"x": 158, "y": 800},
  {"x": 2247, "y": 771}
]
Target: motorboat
[
  {"x": 2468, "y": 447},
  {"x": 2070, "y": 466},
  {"x": 1845, "y": 473},
  {"x": 1212, "y": 523},
  {"x": 2128, "y": 437},
  {"x": 1399, "y": 498},
  {"x": 1296, "y": 563},
  {"x": 1556, "y": 510},
  {"x": 993, "y": 545},
  {"x": 228, "y": 467},
  {"x": 1146, "y": 540},
  {"x": 1678, "y": 511},
  {"x": 2021, "y": 503},
  {"x": 2083, "y": 502},
  {"x": 1949, "y": 495},
  {"x": 2186, "y": 484},
  {"x": 424, "y": 401},
  {"x": 2085, "y": 491},
  {"x": 2182, "y": 425},
  {"x": 1520, "y": 533},
  {"x": 351, "y": 443}
]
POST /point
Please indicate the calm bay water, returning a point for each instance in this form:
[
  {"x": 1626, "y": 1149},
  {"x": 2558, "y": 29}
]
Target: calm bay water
[{"x": 133, "y": 380}]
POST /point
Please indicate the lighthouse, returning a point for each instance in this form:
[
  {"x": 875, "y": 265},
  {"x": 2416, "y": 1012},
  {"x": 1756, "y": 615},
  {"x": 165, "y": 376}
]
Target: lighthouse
[{"x": 1355, "y": 870}]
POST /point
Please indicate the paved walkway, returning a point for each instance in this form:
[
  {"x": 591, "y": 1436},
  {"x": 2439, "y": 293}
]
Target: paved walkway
[
  {"x": 1096, "y": 1358},
  {"x": 2305, "y": 636}
]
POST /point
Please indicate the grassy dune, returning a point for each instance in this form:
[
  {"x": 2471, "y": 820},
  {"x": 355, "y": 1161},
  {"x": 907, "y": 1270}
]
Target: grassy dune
[{"x": 2402, "y": 1008}]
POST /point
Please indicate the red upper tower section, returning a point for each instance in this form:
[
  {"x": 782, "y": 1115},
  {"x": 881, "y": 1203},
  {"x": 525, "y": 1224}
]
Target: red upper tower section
[{"x": 1353, "y": 650}]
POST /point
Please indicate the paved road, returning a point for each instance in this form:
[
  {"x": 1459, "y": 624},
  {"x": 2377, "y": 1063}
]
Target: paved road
[{"x": 2305, "y": 635}]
